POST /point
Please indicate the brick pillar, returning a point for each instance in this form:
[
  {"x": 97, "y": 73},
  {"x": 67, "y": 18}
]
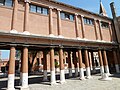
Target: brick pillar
[
  {"x": 83, "y": 27},
  {"x": 52, "y": 67},
  {"x": 76, "y": 26},
  {"x": 50, "y": 22},
  {"x": 101, "y": 62},
  {"x": 62, "y": 73},
  {"x": 14, "y": 17},
  {"x": 95, "y": 25},
  {"x": 110, "y": 31},
  {"x": 75, "y": 63},
  {"x": 100, "y": 30},
  {"x": 106, "y": 63},
  {"x": 26, "y": 17},
  {"x": 116, "y": 61},
  {"x": 11, "y": 71},
  {"x": 88, "y": 73},
  {"x": 81, "y": 71},
  {"x": 25, "y": 69},
  {"x": 45, "y": 65},
  {"x": 70, "y": 63}
]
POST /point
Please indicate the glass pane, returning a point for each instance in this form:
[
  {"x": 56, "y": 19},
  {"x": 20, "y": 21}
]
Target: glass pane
[
  {"x": 32, "y": 8},
  {"x": 71, "y": 17},
  {"x": 1, "y": 2},
  {"x": 45, "y": 11},
  {"x": 39, "y": 9},
  {"x": 8, "y": 3},
  {"x": 62, "y": 15}
]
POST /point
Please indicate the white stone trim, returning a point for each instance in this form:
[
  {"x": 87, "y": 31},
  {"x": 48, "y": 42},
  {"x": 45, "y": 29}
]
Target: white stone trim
[
  {"x": 107, "y": 69},
  {"x": 70, "y": 72},
  {"x": 62, "y": 76},
  {"x": 117, "y": 68},
  {"x": 88, "y": 73},
  {"x": 76, "y": 72},
  {"x": 53, "y": 77},
  {"x": 101, "y": 69},
  {"x": 24, "y": 80},
  {"x": 81, "y": 72},
  {"x": 10, "y": 85},
  {"x": 20, "y": 83},
  {"x": 26, "y": 33},
  {"x": 45, "y": 75},
  {"x": 13, "y": 31}
]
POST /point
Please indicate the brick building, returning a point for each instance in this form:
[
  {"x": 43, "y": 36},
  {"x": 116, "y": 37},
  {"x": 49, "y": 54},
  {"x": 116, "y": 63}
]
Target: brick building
[{"x": 50, "y": 26}]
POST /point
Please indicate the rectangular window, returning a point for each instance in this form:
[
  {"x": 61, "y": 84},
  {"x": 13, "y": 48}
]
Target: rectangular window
[
  {"x": 104, "y": 25},
  {"x": 6, "y": 3},
  {"x": 88, "y": 21},
  {"x": 38, "y": 9},
  {"x": 67, "y": 16}
]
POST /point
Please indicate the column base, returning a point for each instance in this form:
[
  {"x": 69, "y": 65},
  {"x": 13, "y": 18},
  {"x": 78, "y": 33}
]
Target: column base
[
  {"x": 107, "y": 70},
  {"x": 51, "y": 35},
  {"x": 53, "y": 78},
  {"x": 70, "y": 72},
  {"x": 24, "y": 88},
  {"x": 26, "y": 33},
  {"x": 24, "y": 81},
  {"x": 88, "y": 74},
  {"x": 62, "y": 76},
  {"x": 117, "y": 68},
  {"x": 105, "y": 77},
  {"x": 45, "y": 76},
  {"x": 81, "y": 72},
  {"x": 10, "y": 88},
  {"x": 10, "y": 85},
  {"x": 13, "y": 31},
  {"x": 101, "y": 70},
  {"x": 76, "y": 72}
]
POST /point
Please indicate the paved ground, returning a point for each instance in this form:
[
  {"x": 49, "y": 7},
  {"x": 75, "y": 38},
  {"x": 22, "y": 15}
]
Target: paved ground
[{"x": 35, "y": 83}]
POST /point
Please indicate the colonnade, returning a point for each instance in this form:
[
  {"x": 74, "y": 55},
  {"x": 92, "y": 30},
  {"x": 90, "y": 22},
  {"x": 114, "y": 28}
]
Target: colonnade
[{"x": 74, "y": 56}]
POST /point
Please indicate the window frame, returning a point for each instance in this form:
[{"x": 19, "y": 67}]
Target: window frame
[
  {"x": 104, "y": 24},
  {"x": 88, "y": 21},
  {"x": 7, "y": 3}
]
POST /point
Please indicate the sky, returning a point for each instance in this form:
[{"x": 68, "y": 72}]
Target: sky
[
  {"x": 93, "y": 5},
  {"x": 90, "y": 5}
]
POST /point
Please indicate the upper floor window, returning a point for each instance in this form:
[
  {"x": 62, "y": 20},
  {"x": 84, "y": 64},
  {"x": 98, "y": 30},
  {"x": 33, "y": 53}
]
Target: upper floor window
[
  {"x": 38, "y": 9},
  {"x": 6, "y": 2},
  {"x": 104, "y": 25},
  {"x": 88, "y": 21},
  {"x": 67, "y": 16}
]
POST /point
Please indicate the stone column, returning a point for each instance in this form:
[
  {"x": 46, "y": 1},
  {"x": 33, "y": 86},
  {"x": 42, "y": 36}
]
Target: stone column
[
  {"x": 101, "y": 62},
  {"x": 110, "y": 31},
  {"x": 95, "y": 25},
  {"x": 106, "y": 63},
  {"x": 11, "y": 71},
  {"x": 81, "y": 71},
  {"x": 52, "y": 67},
  {"x": 25, "y": 69},
  {"x": 88, "y": 73},
  {"x": 26, "y": 17},
  {"x": 76, "y": 26},
  {"x": 93, "y": 62},
  {"x": 59, "y": 23},
  {"x": 45, "y": 65},
  {"x": 83, "y": 27},
  {"x": 75, "y": 63},
  {"x": 14, "y": 17},
  {"x": 70, "y": 63},
  {"x": 50, "y": 22},
  {"x": 100, "y": 29},
  {"x": 116, "y": 62},
  {"x": 62, "y": 73}
]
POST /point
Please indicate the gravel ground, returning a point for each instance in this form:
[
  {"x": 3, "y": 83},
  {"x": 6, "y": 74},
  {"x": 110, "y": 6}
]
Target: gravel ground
[{"x": 35, "y": 83}]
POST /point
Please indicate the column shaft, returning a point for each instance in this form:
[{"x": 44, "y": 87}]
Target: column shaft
[
  {"x": 11, "y": 71},
  {"x": 70, "y": 63},
  {"x": 100, "y": 30},
  {"x": 75, "y": 63},
  {"x": 95, "y": 24},
  {"x": 83, "y": 27},
  {"x": 50, "y": 22},
  {"x": 76, "y": 26},
  {"x": 110, "y": 32}
]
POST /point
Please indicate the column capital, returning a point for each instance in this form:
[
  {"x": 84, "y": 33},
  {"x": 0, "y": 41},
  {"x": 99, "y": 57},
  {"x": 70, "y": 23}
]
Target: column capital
[
  {"x": 76, "y": 14},
  {"x": 110, "y": 23},
  {"x": 59, "y": 9},
  {"x": 50, "y": 7},
  {"x": 27, "y": 1},
  {"x": 82, "y": 15}
]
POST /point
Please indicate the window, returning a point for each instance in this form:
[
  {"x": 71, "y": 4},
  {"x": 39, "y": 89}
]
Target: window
[
  {"x": 67, "y": 16},
  {"x": 104, "y": 25},
  {"x": 88, "y": 21},
  {"x": 6, "y": 2},
  {"x": 38, "y": 9}
]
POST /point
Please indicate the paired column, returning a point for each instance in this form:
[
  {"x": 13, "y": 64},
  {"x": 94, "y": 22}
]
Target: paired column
[
  {"x": 88, "y": 73},
  {"x": 81, "y": 71},
  {"x": 52, "y": 67},
  {"x": 25, "y": 69},
  {"x": 62, "y": 73},
  {"x": 100, "y": 29},
  {"x": 101, "y": 62},
  {"x": 70, "y": 63},
  {"x": 75, "y": 63},
  {"x": 11, "y": 72},
  {"x": 106, "y": 63},
  {"x": 14, "y": 17},
  {"x": 116, "y": 62},
  {"x": 50, "y": 22},
  {"x": 76, "y": 26},
  {"x": 83, "y": 27},
  {"x": 26, "y": 17},
  {"x": 45, "y": 66}
]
